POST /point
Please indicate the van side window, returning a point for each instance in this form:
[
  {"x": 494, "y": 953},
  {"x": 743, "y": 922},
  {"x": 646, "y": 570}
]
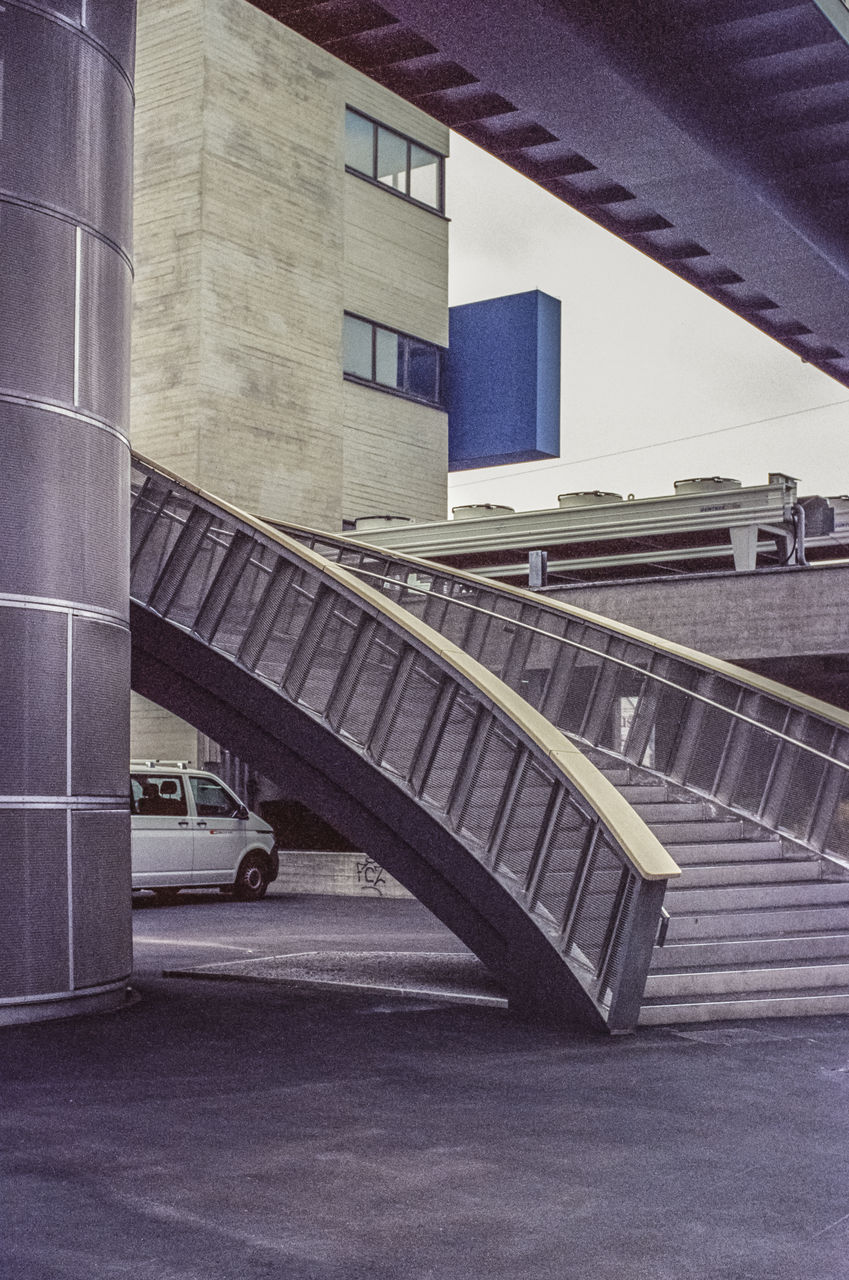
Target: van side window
[
  {"x": 156, "y": 796},
  {"x": 212, "y": 801}
]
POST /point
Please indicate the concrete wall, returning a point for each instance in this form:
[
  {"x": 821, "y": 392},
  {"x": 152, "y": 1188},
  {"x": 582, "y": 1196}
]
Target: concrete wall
[
  {"x": 349, "y": 875},
  {"x": 789, "y": 624},
  {"x": 767, "y": 614},
  {"x": 251, "y": 241}
]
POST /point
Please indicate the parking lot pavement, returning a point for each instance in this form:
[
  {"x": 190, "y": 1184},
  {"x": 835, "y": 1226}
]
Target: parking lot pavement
[{"x": 230, "y": 1130}]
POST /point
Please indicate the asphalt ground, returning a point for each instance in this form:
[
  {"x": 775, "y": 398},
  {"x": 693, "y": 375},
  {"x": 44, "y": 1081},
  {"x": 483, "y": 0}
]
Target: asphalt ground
[{"x": 225, "y": 1129}]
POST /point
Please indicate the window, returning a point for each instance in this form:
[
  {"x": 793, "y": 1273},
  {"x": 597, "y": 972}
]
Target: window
[
  {"x": 153, "y": 796},
  {"x": 375, "y": 152},
  {"x": 212, "y": 801},
  {"x": 392, "y": 360}
]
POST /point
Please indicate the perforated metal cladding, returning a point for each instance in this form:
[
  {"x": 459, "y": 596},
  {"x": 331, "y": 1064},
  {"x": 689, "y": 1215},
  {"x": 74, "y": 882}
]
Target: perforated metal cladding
[
  {"x": 105, "y": 305},
  {"x": 113, "y": 26},
  {"x": 37, "y": 273},
  {"x": 578, "y": 695},
  {"x": 239, "y": 614},
  {"x": 290, "y": 618},
  {"x": 493, "y": 773},
  {"x": 33, "y": 705},
  {"x": 103, "y": 949},
  {"x": 329, "y": 650},
  {"x": 75, "y": 160},
  {"x": 151, "y": 556},
  {"x": 761, "y": 754},
  {"x": 100, "y": 708},
  {"x": 199, "y": 576},
  {"x": 567, "y": 845},
  {"x": 370, "y": 686},
  {"x": 34, "y": 902},
  {"x": 597, "y": 902},
  {"x": 455, "y": 623},
  {"x": 525, "y": 821},
  {"x": 64, "y": 494},
  {"x": 417, "y": 700},
  {"x": 615, "y": 956},
  {"x": 496, "y": 644},
  {"x": 805, "y": 777},
  {"x": 446, "y": 760}
]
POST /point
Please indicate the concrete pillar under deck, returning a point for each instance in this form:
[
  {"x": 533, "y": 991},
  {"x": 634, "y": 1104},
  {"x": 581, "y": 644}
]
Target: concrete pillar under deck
[{"x": 66, "y": 108}]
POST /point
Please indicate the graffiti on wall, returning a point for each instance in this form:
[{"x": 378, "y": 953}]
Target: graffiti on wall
[{"x": 371, "y": 878}]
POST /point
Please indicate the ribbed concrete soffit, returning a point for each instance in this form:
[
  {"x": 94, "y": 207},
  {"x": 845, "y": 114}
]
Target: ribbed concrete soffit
[{"x": 712, "y": 135}]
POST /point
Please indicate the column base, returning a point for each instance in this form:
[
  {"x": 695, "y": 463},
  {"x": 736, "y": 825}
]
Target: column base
[{"x": 69, "y": 1004}]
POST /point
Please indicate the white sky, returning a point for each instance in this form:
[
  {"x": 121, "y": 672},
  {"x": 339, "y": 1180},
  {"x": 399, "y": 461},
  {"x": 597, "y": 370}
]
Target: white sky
[{"x": 646, "y": 358}]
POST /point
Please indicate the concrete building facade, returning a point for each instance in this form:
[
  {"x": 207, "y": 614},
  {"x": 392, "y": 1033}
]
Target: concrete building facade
[{"x": 253, "y": 242}]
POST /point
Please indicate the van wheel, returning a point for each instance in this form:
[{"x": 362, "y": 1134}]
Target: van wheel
[
  {"x": 251, "y": 880},
  {"x": 165, "y": 896}
]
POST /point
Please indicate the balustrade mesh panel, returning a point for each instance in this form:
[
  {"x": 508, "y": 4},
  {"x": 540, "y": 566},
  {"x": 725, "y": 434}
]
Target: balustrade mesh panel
[
  {"x": 525, "y": 822},
  {"x": 837, "y": 840},
  {"x": 239, "y": 613},
  {"x": 806, "y": 775},
  {"x": 413, "y": 713},
  {"x": 328, "y": 655},
  {"x": 751, "y": 782},
  {"x": 566, "y": 849},
  {"x": 493, "y": 772},
  {"x": 155, "y": 550},
  {"x": 597, "y": 902},
  {"x": 448, "y": 756},
  {"x": 370, "y": 687},
  {"x": 199, "y": 576},
  {"x": 273, "y": 634}
]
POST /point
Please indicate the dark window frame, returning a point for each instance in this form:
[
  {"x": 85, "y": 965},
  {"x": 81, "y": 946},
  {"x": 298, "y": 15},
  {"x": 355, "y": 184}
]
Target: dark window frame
[
  {"x": 439, "y": 207},
  {"x": 405, "y": 339}
]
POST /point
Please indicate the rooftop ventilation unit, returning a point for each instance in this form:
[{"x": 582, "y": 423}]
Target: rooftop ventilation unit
[
  {"x": 363, "y": 524},
  {"x": 705, "y": 484},
  {"x": 587, "y": 498},
  {"x": 476, "y": 509}
]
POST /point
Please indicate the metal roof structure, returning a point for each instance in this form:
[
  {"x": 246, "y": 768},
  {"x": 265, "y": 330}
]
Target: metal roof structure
[
  {"x": 717, "y": 524},
  {"x": 712, "y": 135}
]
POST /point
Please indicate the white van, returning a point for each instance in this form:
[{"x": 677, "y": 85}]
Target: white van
[{"x": 190, "y": 831}]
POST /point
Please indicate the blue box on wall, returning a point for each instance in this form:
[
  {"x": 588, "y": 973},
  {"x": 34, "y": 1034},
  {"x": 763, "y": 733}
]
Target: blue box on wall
[{"x": 503, "y": 381}]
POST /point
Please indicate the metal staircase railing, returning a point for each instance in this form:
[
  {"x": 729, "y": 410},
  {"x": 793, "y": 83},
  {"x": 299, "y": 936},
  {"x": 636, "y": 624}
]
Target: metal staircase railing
[
  {"x": 484, "y": 776},
  {"x": 766, "y": 751}
]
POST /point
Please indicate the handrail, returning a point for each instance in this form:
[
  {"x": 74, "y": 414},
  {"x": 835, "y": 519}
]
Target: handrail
[
  {"x": 791, "y": 775},
  {"x": 643, "y": 849},
  {"x": 490, "y": 803},
  {"x": 713, "y": 665},
  {"x": 609, "y": 657}
]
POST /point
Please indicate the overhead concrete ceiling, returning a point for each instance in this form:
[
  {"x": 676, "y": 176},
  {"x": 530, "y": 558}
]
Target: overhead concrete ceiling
[{"x": 712, "y": 135}]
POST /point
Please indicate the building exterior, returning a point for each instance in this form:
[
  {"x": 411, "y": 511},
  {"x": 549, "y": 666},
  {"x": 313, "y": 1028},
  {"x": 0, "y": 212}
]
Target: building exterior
[{"x": 289, "y": 225}]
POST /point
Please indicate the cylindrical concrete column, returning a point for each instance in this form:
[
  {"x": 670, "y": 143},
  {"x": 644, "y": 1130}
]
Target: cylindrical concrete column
[{"x": 66, "y": 113}]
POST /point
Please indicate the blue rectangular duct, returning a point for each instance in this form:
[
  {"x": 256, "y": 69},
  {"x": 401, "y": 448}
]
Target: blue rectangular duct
[{"x": 503, "y": 381}]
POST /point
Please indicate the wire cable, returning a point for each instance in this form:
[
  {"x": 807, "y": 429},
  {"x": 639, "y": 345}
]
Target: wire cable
[{"x": 546, "y": 468}]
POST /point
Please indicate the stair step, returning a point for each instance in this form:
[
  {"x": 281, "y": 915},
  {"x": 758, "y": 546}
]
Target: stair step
[
  {"x": 736, "y": 952},
  {"x": 711, "y": 926},
  {"x": 798, "y": 1005},
  {"x": 673, "y": 811},
  {"x": 777, "y": 871},
  {"x": 728, "y": 851},
  {"x": 773, "y": 979},
  {"x": 639, "y": 793},
  {"x": 713, "y": 830},
  {"x": 827, "y": 893}
]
